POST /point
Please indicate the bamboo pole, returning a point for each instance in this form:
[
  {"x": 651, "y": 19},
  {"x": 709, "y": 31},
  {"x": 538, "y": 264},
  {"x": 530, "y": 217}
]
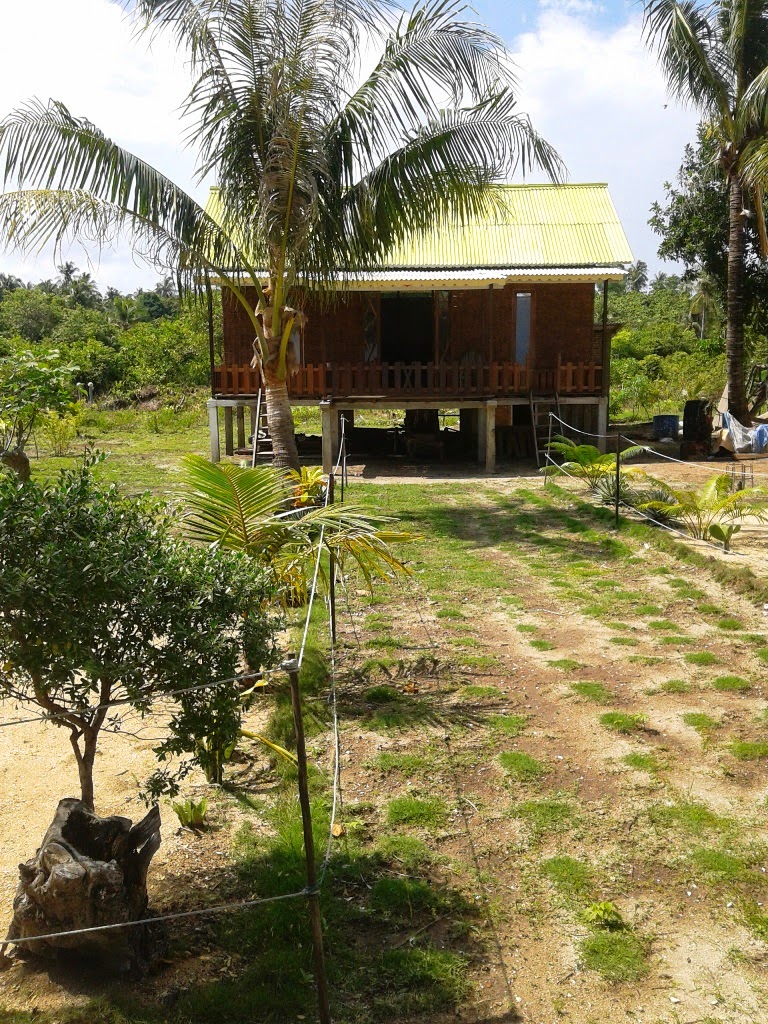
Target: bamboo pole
[
  {"x": 618, "y": 480},
  {"x": 318, "y": 956},
  {"x": 332, "y": 563}
]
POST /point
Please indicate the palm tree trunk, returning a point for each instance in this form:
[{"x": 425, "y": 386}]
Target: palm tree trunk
[
  {"x": 734, "y": 335},
  {"x": 280, "y": 423}
]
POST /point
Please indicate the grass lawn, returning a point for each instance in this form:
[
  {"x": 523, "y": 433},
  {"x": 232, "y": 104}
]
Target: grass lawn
[{"x": 498, "y": 795}]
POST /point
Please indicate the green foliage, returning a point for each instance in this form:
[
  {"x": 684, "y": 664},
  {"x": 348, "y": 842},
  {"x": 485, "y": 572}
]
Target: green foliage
[
  {"x": 701, "y": 658},
  {"x": 57, "y": 432},
  {"x": 585, "y": 461},
  {"x": 245, "y": 510},
  {"x": 593, "y": 691},
  {"x": 750, "y": 751},
  {"x": 701, "y": 722},
  {"x": 29, "y": 387},
  {"x": 309, "y": 485},
  {"x": 715, "y": 503},
  {"x": 191, "y": 813},
  {"x": 89, "y": 583},
  {"x": 604, "y": 915}
]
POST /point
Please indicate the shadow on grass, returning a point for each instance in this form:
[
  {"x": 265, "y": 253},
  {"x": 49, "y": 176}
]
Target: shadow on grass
[{"x": 398, "y": 945}]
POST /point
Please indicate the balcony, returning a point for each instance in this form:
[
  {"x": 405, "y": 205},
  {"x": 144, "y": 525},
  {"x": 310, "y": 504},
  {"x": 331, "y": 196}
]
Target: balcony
[{"x": 408, "y": 381}]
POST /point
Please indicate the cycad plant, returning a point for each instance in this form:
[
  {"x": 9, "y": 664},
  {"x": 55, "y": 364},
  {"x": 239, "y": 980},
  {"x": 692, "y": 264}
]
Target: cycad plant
[
  {"x": 585, "y": 461},
  {"x": 709, "y": 512},
  {"x": 320, "y": 171},
  {"x": 245, "y": 510}
]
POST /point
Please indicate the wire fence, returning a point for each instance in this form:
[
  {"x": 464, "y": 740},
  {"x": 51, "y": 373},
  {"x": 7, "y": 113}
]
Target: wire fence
[
  {"x": 620, "y": 500},
  {"x": 309, "y": 890}
]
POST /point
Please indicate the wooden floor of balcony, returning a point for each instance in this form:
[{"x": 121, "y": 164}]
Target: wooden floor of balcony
[{"x": 411, "y": 381}]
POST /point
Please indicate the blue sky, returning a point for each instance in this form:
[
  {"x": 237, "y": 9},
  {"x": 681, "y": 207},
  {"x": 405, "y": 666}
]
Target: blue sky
[{"x": 586, "y": 80}]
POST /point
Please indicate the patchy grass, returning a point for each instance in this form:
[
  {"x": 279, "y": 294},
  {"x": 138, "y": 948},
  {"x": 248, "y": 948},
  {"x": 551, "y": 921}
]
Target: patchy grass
[
  {"x": 675, "y": 686},
  {"x": 693, "y": 817},
  {"x": 615, "y": 955},
  {"x": 522, "y": 767},
  {"x": 566, "y": 664},
  {"x": 410, "y": 851},
  {"x": 744, "y": 750},
  {"x": 718, "y": 864},
  {"x": 543, "y": 645},
  {"x": 509, "y": 725},
  {"x": 642, "y": 762},
  {"x": 411, "y": 810},
  {"x": 701, "y": 658},
  {"x": 664, "y": 625},
  {"x": 595, "y": 692},
  {"x": 731, "y": 684},
  {"x": 472, "y": 691},
  {"x": 622, "y": 722},
  {"x": 405, "y": 764},
  {"x": 702, "y": 723},
  {"x": 729, "y": 624},
  {"x": 542, "y": 816},
  {"x": 571, "y": 877}
]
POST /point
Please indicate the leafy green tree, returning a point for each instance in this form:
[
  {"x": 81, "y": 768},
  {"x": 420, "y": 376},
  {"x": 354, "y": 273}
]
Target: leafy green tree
[
  {"x": 715, "y": 57},
  {"x": 29, "y": 387},
  {"x": 317, "y": 174},
  {"x": 30, "y": 313},
  {"x": 99, "y": 602}
]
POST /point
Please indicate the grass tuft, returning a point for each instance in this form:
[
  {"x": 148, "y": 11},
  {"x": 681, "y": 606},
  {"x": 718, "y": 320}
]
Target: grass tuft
[
  {"x": 509, "y": 725},
  {"x": 702, "y": 723},
  {"x": 566, "y": 664},
  {"x": 749, "y": 751},
  {"x": 570, "y": 876},
  {"x": 620, "y": 721},
  {"x": 701, "y": 658},
  {"x": 675, "y": 686},
  {"x": 410, "y": 810},
  {"x": 522, "y": 767},
  {"x": 544, "y": 815},
  {"x": 615, "y": 955},
  {"x": 642, "y": 762},
  {"x": 731, "y": 684},
  {"x": 593, "y": 691}
]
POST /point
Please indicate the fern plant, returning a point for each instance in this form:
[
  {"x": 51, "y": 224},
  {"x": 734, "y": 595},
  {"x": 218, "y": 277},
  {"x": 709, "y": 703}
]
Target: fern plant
[
  {"x": 705, "y": 513},
  {"x": 585, "y": 461}
]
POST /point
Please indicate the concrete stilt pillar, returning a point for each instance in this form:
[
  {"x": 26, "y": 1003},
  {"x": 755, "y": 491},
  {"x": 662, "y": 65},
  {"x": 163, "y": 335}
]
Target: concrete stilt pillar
[
  {"x": 602, "y": 423},
  {"x": 326, "y": 420},
  {"x": 482, "y": 433},
  {"x": 490, "y": 437},
  {"x": 240, "y": 426},
  {"x": 229, "y": 436},
  {"x": 213, "y": 429}
]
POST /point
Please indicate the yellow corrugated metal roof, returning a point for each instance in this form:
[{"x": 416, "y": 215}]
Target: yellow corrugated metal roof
[{"x": 530, "y": 226}]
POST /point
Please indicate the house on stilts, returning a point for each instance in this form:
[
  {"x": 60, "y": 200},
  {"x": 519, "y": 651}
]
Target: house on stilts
[{"x": 494, "y": 318}]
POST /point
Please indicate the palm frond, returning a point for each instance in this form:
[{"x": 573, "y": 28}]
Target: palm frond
[{"x": 692, "y": 54}]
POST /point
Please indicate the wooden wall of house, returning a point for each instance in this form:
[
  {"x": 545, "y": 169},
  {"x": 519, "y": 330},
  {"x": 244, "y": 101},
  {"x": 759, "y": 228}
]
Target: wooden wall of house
[{"x": 482, "y": 326}]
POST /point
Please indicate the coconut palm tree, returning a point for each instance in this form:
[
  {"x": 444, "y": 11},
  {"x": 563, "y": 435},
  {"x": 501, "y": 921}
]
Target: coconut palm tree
[
  {"x": 319, "y": 171},
  {"x": 715, "y": 58}
]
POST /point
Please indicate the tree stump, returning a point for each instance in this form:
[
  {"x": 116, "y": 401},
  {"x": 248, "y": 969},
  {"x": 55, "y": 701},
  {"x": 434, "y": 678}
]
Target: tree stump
[{"x": 89, "y": 871}]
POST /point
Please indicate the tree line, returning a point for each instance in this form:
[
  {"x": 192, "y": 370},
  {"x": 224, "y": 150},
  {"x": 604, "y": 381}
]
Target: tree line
[{"x": 119, "y": 343}]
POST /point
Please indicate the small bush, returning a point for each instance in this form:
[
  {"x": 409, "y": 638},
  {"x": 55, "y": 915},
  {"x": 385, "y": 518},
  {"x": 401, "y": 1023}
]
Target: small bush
[
  {"x": 603, "y": 915},
  {"x": 191, "y": 813},
  {"x": 621, "y": 722}
]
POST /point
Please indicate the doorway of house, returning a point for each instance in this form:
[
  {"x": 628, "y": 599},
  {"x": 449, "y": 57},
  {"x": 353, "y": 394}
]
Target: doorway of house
[{"x": 407, "y": 328}]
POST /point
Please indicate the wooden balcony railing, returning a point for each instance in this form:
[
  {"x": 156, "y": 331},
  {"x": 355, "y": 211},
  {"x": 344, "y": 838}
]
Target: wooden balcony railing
[{"x": 420, "y": 380}]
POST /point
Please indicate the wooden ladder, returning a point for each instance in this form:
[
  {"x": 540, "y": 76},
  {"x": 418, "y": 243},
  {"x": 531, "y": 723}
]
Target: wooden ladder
[
  {"x": 261, "y": 441},
  {"x": 541, "y": 407}
]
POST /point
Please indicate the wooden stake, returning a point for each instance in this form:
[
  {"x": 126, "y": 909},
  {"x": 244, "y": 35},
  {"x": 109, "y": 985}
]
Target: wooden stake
[
  {"x": 618, "y": 479},
  {"x": 318, "y": 955},
  {"x": 332, "y": 564},
  {"x": 547, "y": 463}
]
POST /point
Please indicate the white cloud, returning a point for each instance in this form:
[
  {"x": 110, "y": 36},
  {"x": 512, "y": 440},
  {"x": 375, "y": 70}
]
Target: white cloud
[
  {"x": 84, "y": 53},
  {"x": 593, "y": 92},
  {"x": 599, "y": 98}
]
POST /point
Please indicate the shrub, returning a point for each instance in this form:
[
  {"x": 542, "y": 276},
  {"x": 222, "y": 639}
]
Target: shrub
[{"x": 89, "y": 582}]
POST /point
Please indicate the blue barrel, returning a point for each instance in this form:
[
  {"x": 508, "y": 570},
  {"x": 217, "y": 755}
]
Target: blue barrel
[{"x": 666, "y": 426}]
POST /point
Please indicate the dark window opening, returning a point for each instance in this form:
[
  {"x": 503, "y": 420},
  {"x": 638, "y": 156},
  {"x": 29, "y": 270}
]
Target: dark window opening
[
  {"x": 522, "y": 327},
  {"x": 407, "y": 328}
]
